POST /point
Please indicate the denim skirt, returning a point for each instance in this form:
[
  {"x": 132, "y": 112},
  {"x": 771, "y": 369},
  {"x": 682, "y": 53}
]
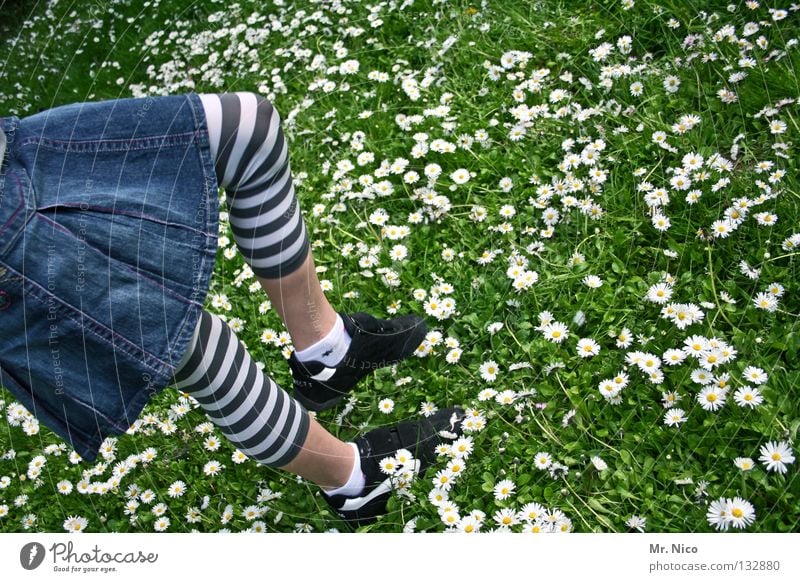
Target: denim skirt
[{"x": 109, "y": 216}]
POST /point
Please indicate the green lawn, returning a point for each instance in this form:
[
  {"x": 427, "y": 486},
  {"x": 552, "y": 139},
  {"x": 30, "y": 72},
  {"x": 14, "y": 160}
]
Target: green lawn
[{"x": 601, "y": 199}]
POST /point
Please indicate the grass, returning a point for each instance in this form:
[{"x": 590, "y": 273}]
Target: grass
[{"x": 668, "y": 475}]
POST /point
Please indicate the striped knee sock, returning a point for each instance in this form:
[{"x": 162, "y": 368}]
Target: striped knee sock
[
  {"x": 250, "y": 409},
  {"x": 252, "y": 164}
]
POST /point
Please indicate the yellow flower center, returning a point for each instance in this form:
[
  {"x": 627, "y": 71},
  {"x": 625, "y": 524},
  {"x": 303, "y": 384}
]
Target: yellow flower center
[
  {"x": 736, "y": 512},
  {"x": 711, "y": 397},
  {"x": 776, "y": 456}
]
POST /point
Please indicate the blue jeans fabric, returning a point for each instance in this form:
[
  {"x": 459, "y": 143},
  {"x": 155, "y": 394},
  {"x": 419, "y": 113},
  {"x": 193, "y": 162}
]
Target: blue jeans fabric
[{"x": 109, "y": 216}]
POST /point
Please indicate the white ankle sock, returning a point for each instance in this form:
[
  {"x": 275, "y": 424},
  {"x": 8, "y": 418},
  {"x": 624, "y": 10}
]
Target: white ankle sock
[
  {"x": 355, "y": 484},
  {"x": 329, "y": 350}
]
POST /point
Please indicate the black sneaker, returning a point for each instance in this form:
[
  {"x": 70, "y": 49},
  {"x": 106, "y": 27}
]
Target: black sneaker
[
  {"x": 420, "y": 438},
  {"x": 376, "y": 343}
]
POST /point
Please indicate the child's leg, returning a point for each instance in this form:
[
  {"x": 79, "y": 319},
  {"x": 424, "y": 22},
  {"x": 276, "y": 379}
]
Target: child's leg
[
  {"x": 265, "y": 423},
  {"x": 252, "y": 164},
  {"x": 332, "y": 351},
  {"x": 254, "y": 413}
]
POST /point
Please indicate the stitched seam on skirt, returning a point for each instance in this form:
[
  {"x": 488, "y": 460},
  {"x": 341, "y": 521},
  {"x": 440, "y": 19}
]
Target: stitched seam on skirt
[
  {"x": 119, "y": 263},
  {"x": 40, "y": 293},
  {"x": 110, "y": 421},
  {"x": 16, "y": 210},
  {"x": 108, "y": 210},
  {"x": 201, "y": 134},
  {"x": 121, "y": 144}
]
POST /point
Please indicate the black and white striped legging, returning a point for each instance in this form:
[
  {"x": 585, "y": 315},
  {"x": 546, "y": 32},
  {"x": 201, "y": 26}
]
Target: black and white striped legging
[{"x": 252, "y": 164}]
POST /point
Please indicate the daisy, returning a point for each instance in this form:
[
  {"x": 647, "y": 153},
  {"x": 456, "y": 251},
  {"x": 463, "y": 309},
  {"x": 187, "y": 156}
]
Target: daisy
[
  {"x": 563, "y": 525},
  {"x": 744, "y": 463},
  {"x": 755, "y": 375},
  {"x": 766, "y": 218},
  {"x": 506, "y": 397},
  {"x": 625, "y": 338},
  {"x": 593, "y": 281},
  {"x": 711, "y": 398},
  {"x": 555, "y": 332},
  {"x": 386, "y": 405},
  {"x": 428, "y": 409},
  {"x": 637, "y": 523},
  {"x": 776, "y": 289},
  {"x": 149, "y": 454},
  {"x": 659, "y": 293},
  {"x": 64, "y": 487},
  {"x": 710, "y": 359},
  {"x": 456, "y": 466},
  {"x": 587, "y": 348},
  {"x": 777, "y": 126},
  {"x": 532, "y": 512},
  {"x": 75, "y": 524},
  {"x": 506, "y": 517},
  {"x": 649, "y": 363},
  {"x": 398, "y": 253},
  {"x": 722, "y": 228},
  {"x": 609, "y": 389},
  {"x": 776, "y": 456},
  {"x": 673, "y": 357},
  {"x": 674, "y": 417},
  {"x": 488, "y": 371},
  {"x": 660, "y": 222},
  {"x": 147, "y": 496},
  {"x": 700, "y": 376},
  {"x": 211, "y": 468},
  {"x": 670, "y": 399},
  {"x": 542, "y": 460},
  {"x": 450, "y": 518},
  {"x": 765, "y": 301},
  {"x": 443, "y": 449},
  {"x": 740, "y": 512},
  {"x": 443, "y": 480},
  {"x": 388, "y": 465},
  {"x": 504, "y": 489},
  {"x": 437, "y": 496},
  {"x": 460, "y": 176},
  {"x": 468, "y": 524},
  {"x": 211, "y": 443},
  {"x": 536, "y": 527},
  {"x": 717, "y": 514},
  {"x": 161, "y": 524},
  {"x": 177, "y": 489},
  {"x": 748, "y": 397}
]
